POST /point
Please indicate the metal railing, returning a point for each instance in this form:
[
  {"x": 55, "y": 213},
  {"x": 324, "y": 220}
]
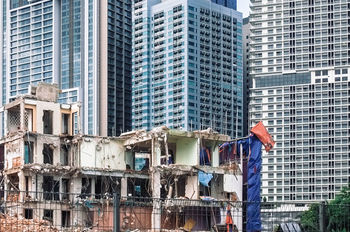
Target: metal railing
[{"x": 53, "y": 211}]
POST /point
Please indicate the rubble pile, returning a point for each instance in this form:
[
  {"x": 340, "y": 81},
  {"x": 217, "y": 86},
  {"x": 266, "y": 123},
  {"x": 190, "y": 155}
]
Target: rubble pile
[{"x": 16, "y": 224}]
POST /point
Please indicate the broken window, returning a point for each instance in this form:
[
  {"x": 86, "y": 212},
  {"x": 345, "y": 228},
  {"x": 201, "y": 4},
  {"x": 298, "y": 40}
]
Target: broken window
[
  {"x": 48, "y": 154},
  {"x": 205, "y": 156},
  {"x": 65, "y": 124},
  {"x": 28, "y": 119},
  {"x": 47, "y": 121},
  {"x": 173, "y": 186},
  {"x": 51, "y": 188},
  {"x": 28, "y": 152},
  {"x": 229, "y": 153},
  {"x": 205, "y": 190},
  {"x": 180, "y": 190},
  {"x": 48, "y": 215},
  {"x": 85, "y": 187},
  {"x": 13, "y": 186},
  {"x": 171, "y": 147},
  {"x": 28, "y": 213},
  {"x": 138, "y": 187},
  {"x": 106, "y": 185},
  {"x": 28, "y": 181},
  {"x": 65, "y": 218},
  {"x": 13, "y": 119},
  {"x": 65, "y": 189},
  {"x": 141, "y": 161},
  {"x": 64, "y": 155}
]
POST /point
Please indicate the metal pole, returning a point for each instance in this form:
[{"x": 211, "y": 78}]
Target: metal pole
[
  {"x": 322, "y": 217},
  {"x": 116, "y": 216}
]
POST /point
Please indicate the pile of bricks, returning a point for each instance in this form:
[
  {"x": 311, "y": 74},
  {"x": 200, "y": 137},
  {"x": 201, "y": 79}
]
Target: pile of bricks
[{"x": 16, "y": 224}]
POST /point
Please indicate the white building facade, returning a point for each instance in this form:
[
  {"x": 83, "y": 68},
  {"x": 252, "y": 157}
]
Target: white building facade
[{"x": 299, "y": 63}]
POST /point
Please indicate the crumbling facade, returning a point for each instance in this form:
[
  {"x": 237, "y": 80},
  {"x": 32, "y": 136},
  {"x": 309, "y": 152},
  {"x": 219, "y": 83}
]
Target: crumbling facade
[{"x": 46, "y": 158}]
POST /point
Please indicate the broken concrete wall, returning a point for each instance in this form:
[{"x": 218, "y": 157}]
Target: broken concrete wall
[
  {"x": 45, "y": 92},
  {"x": 192, "y": 187},
  {"x": 233, "y": 184},
  {"x": 53, "y": 142},
  {"x": 14, "y": 151},
  {"x": 102, "y": 153},
  {"x": 217, "y": 186},
  {"x": 52, "y": 213},
  {"x": 56, "y": 116}
]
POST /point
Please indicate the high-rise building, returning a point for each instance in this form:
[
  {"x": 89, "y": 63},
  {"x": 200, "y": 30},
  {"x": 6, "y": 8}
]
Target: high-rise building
[
  {"x": 228, "y": 3},
  {"x": 82, "y": 45},
  {"x": 300, "y": 64},
  {"x": 187, "y": 66},
  {"x": 246, "y": 77}
]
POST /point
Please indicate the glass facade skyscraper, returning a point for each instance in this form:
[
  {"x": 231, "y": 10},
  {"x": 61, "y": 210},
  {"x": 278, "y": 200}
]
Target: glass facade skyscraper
[
  {"x": 300, "y": 65},
  {"x": 228, "y": 3},
  {"x": 83, "y": 46},
  {"x": 187, "y": 66}
]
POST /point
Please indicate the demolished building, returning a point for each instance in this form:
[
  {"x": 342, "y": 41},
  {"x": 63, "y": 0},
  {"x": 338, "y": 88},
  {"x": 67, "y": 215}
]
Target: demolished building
[{"x": 44, "y": 158}]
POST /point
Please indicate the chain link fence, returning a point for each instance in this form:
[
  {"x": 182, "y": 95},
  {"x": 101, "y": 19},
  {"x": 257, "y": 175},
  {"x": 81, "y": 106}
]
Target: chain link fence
[{"x": 54, "y": 211}]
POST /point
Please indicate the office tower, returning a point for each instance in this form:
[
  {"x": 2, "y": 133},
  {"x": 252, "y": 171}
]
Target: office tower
[
  {"x": 82, "y": 45},
  {"x": 246, "y": 77},
  {"x": 228, "y": 3},
  {"x": 300, "y": 64},
  {"x": 187, "y": 66}
]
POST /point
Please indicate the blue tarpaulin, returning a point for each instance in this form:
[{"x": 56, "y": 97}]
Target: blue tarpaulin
[
  {"x": 251, "y": 146},
  {"x": 204, "y": 178},
  {"x": 254, "y": 169}
]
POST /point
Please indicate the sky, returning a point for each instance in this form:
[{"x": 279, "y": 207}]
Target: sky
[{"x": 243, "y": 6}]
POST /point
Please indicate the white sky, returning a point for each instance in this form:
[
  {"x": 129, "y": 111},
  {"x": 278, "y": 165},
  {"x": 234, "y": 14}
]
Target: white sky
[{"x": 243, "y": 6}]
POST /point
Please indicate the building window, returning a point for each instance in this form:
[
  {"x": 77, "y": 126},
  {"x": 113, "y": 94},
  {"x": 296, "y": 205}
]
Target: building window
[
  {"x": 65, "y": 218},
  {"x": 51, "y": 188},
  {"x": 28, "y": 213},
  {"x": 48, "y": 154},
  {"x": 65, "y": 123},
  {"x": 28, "y": 152},
  {"x": 47, "y": 121},
  {"x": 48, "y": 215}
]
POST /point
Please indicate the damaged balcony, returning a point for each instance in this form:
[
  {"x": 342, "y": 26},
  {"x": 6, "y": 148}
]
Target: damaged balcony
[
  {"x": 39, "y": 112},
  {"x": 184, "y": 160}
]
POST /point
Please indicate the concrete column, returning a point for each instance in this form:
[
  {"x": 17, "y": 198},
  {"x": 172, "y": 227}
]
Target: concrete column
[
  {"x": 22, "y": 118},
  {"x": 75, "y": 187},
  {"x": 156, "y": 186},
  {"x": 5, "y": 123},
  {"x": 6, "y": 188},
  {"x": 21, "y": 186},
  {"x": 215, "y": 156},
  {"x": 123, "y": 187},
  {"x": 156, "y": 152},
  {"x": 156, "y": 213}
]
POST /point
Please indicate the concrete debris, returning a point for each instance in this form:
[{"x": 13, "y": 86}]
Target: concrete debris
[{"x": 16, "y": 224}]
